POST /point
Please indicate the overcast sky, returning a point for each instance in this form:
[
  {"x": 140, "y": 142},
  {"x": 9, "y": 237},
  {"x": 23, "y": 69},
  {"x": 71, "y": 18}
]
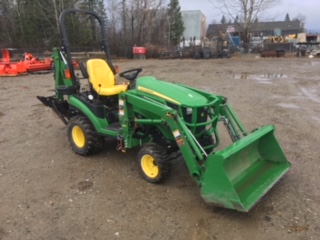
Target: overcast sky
[{"x": 309, "y": 8}]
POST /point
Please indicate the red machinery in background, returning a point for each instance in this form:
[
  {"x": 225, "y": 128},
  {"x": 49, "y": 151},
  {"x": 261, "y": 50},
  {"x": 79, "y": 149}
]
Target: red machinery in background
[
  {"x": 9, "y": 68},
  {"x": 34, "y": 64},
  {"x": 139, "y": 52},
  {"x": 30, "y": 64}
]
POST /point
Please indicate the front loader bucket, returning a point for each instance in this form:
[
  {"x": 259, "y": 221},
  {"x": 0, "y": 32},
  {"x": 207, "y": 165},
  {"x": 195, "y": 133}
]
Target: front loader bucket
[{"x": 241, "y": 174}]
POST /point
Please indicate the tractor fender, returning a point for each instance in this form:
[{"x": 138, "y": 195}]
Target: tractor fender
[{"x": 95, "y": 115}]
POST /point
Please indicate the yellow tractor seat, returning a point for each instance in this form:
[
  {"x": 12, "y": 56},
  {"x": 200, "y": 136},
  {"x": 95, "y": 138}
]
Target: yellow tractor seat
[{"x": 102, "y": 78}]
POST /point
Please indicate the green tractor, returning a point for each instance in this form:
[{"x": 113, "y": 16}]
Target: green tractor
[{"x": 165, "y": 120}]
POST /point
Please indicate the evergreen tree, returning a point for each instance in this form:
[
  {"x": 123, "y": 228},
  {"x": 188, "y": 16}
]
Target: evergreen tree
[
  {"x": 236, "y": 19},
  {"x": 87, "y": 31},
  {"x": 287, "y": 19},
  {"x": 31, "y": 23},
  {"x": 223, "y": 20},
  {"x": 175, "y": 22}
]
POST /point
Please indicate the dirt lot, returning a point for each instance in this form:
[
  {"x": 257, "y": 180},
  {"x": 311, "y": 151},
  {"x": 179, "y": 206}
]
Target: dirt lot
[{"x": 48, "y": 192}]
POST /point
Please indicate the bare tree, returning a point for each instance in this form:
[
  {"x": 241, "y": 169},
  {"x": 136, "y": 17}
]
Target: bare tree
[
  {"x": 246, "y": 11},
  {"x": 7, "y": 23},
  {"x": 302, "y": 18},
  {"x": 138, "y": 19}
]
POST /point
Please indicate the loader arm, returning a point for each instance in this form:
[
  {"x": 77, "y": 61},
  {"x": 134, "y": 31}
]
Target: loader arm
[
  {"x": 164, "y": 116},
  {"x": 236, "y": 177}
]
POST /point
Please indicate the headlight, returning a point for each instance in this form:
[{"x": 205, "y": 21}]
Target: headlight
[{"x": 189, "y": 111}]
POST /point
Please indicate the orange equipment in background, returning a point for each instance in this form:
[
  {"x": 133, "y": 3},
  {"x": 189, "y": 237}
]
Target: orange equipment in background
[
  {"x": 33, "y": 64},
  {"x": 8, "y": 68}
]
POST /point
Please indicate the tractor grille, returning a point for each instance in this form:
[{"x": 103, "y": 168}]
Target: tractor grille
[{"x": 195, "y": 117}]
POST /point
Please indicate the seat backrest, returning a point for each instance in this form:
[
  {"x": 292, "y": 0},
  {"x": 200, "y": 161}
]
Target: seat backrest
[{"x": 100, "y": 74}]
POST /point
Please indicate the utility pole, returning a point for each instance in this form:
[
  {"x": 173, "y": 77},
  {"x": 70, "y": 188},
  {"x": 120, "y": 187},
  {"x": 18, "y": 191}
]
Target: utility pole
[{"x": 132, "y": 28}]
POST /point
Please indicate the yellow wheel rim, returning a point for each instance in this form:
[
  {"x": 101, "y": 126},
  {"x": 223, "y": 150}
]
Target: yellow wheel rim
[
  {"x": 149, "y": 167},
  {"x": 78, "y": 136}
]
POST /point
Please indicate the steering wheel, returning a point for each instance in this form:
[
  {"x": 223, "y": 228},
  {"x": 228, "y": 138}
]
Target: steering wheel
[{"x": 130, "y": 74}]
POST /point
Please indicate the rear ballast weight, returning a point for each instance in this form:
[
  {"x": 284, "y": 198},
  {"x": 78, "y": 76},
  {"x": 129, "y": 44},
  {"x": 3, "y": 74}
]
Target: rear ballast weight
[{"x": 165, "y": 120}]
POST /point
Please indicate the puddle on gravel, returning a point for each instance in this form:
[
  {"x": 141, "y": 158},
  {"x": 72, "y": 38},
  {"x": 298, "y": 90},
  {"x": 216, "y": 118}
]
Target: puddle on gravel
[
  {"x": 317, "y": 119},
  {"x": 311, "y": 94},
  {"x": 288, "y": 105},
  {"x": 277, "y": 96},
  {"x": 263, "y": 78},
  {"x": 313, "y": 63}
]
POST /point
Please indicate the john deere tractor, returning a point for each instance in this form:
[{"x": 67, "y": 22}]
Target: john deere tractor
[{"x": 164, "y": 120}]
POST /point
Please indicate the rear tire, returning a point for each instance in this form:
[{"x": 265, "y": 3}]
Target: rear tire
[
  {"x": 154, "y": 164},
  {"x": 82, "y": 136}
]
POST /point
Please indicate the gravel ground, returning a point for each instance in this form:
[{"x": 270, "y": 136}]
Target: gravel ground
[{"x": 48, "y": 192}]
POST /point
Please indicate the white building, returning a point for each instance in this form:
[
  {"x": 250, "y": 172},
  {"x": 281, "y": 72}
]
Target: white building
[{"x": 195, "y": 24}]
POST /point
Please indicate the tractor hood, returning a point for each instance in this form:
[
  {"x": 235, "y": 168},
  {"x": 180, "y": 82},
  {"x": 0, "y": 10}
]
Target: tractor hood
[{"x": 170, "y": 92}]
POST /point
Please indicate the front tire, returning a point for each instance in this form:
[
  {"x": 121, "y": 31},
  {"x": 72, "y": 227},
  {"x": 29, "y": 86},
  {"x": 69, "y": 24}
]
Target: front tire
[
  {"x": 82, "y": 136},
  {"x": 154, "y": 163}
]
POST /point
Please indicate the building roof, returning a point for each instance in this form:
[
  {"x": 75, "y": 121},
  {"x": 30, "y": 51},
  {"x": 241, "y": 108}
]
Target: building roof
[
  {"x": 216, "y": 29},
  {"x": 283, "y": 25}
]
